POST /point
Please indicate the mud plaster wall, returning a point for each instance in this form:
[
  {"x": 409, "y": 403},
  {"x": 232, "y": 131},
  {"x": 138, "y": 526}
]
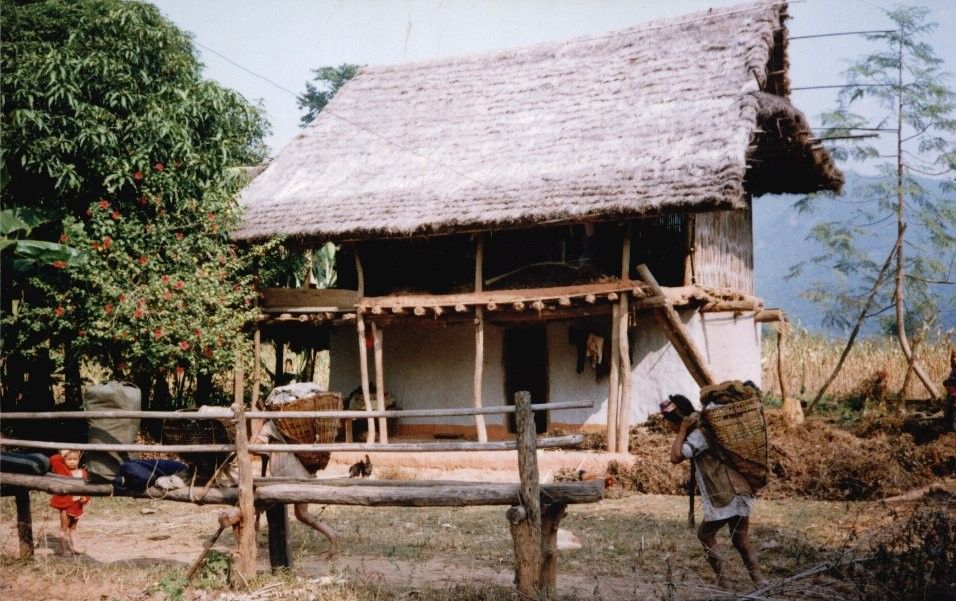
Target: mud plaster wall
[{"x": 430, "y": 367}]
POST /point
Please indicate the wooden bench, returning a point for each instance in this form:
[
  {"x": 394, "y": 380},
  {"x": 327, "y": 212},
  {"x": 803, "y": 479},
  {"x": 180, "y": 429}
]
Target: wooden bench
[{"x": 534, "y": 514}]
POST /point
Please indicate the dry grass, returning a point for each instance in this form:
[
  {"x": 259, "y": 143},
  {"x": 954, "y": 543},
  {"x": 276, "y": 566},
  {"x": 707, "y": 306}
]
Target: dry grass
[{"x": 810, "y": 358}]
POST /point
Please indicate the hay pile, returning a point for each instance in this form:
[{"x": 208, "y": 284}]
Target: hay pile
[{"x": 817, "y": 461}]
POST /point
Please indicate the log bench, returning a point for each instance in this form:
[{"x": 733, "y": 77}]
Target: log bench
[{"x": 534, "y": 514}]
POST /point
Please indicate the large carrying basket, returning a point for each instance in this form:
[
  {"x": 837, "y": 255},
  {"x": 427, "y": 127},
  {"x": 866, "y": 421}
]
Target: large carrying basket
[
  {"x": 200, "y": 431},
  {"x": 310, "y": 430},
  {"x": 740, "y": 430}
]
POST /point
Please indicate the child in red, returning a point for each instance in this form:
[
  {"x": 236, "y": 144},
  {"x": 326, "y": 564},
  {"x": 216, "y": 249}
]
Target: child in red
[{"x": 67, "y": 463}]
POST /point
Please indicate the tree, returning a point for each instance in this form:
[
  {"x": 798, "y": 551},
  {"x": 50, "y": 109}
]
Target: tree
[
  {"x": 329, "y": 80},
  {"x": 110, "y": 131},
  {"x": 902, "y": 83}
]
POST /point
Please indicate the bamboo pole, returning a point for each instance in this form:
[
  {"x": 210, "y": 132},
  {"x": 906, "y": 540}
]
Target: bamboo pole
[
  {"x": 363, "y": 368},
  {"x": 379, "y": 381},
  {"x": 526, "y": 532},
  {"x": 246, "y": 566},
  {"x": 624, "y": 403},
  {"x": 612, "y": 394}
]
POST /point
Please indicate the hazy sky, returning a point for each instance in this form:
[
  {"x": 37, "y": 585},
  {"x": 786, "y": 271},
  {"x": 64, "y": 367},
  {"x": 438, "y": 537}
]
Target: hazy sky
[{"x": 284, "y": 40}]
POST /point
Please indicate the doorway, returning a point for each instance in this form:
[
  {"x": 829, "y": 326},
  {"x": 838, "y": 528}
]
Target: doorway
[{"x": 526, "y": 368}]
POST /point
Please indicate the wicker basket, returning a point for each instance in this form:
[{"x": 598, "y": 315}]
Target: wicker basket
[
  {"x": 310, "y": 430},
  {"x": 740, "y": 430},
  {"x": 200, "y": 431}
]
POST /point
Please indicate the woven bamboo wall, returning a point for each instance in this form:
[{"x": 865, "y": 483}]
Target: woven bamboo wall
[{"x": 723, "y": 250}]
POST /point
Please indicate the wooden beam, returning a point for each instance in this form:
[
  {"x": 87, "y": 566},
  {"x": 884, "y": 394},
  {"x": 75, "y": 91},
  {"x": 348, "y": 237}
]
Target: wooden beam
[
  {"x": 550, "y": 442},
  {"x": 770, "y": 316},
  {"x": 377, "y": 336},
  {"x": 613, "y": 389},
  {"x": 675, "y": 332},
  {"x": 363, "y": 373},
  {"x": 624, "y": 403},
  {"x": 449, "y": 495},
  {"x": 479, "y": 373},
  {"x": 526, "y": 534},
  {"x": 731, "y": 306}
]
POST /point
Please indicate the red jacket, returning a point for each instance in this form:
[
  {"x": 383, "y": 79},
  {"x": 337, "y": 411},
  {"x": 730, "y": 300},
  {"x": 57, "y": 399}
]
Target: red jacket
[{"x": 72, "y": 504}]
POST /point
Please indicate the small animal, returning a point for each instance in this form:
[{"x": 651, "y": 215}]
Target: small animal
[
  {"x": 609, "y": 480},
  {"x": 361, "y": 469}
]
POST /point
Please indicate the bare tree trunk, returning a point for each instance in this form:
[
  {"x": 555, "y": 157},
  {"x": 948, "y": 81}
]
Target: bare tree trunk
[
  {"x": 856, "y": 328},
  {"x": 900, "y": 293}
]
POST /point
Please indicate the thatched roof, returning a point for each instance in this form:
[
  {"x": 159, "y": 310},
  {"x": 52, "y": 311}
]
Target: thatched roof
[{"x": 666, "y": 116}]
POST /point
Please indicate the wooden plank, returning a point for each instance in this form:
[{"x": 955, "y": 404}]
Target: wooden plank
[
  {"x": 496, "y": 409},
  {"x": 526, "y": 534},
  {"x": 377, "y": 336},
  {"x": 246, "y": 537},
  {"x": 624, "y": 403},
  {"x": 372, "y": 495},
  {"x": 280, "y": 554},
  {"x": 363, "y": 370},
  {"x": 769, "y": 316},
  {"x": 336, "y": 298},
  {"x": 500, "y": 297},
  {"x": 612, "y": 389},
  {"x": 217, "y": 413},
  {"x": 24, "y": 523},
  {"x": 677, "y": 335},
  {"x": 479, "y": 373},
  {"x": 731, "y": 306}
]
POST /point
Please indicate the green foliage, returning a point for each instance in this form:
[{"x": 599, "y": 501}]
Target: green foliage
[
  {"x": 110, "y": 131},
  {"x": 902, "y": 82},
  {"x": 329, "y": 80}
]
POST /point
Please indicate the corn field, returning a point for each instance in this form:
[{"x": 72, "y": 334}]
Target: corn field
[{"x": 809, "y": 360}]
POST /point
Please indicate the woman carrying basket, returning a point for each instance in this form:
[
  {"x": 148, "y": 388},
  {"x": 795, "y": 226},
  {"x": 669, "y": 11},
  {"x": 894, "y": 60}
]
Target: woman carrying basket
[{"x": 727, "y": 496}]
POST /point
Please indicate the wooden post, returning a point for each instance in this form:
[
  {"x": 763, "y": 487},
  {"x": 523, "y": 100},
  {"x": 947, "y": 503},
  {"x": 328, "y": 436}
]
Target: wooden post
[
  {"x": 550, "y": 522},
  {"x": 280, "y": 555},
  {"x": 612, "y": 392},
  {"x": 676, "y": 333},
  {"x": 24, "y": 522},
  {"x": 379, "y": 381},
  {"x": 792, "y": 410},
  {"x": 363, "y": 369},
  {"x": 359, "y": 273},
  {"x": 246, "y": 565},
  {"x": 526, "y": 520},
  {"x": 690, "y": 278},
  {"x": 256, "y": 371},
  {"x": 479, "y": 372},
  {"x": 624, "y": 403},
  {"x": 626, "y": 253}
]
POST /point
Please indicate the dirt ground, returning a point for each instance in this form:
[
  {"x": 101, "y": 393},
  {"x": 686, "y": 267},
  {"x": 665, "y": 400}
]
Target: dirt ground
[{"x": 632, "y": 546}]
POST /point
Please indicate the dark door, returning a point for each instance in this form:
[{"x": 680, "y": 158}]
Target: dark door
[{"x": 526, "y": 368}]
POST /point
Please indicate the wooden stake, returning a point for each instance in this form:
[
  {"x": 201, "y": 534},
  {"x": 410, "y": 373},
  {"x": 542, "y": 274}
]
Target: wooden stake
[
  {"x": 246, "y": 566},
  {"x": 24, "y": 522},
  {"x": 624, "y": 403},
  {"x": 363, "y": 369},
  {"x": 479, "y": 372},
  {"x": 612, "y": 392},
  {"x": 256, "y": 370},
  {"x": 379, "y": 382},
  {"x": 526, "y": 534},
  {"x": 205, "y": 551},
  {"x": 677, "y": 334}
]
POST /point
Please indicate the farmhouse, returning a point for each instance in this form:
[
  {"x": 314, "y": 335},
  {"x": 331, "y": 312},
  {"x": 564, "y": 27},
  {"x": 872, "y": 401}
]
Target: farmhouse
[{"x": 570, "y": 218}]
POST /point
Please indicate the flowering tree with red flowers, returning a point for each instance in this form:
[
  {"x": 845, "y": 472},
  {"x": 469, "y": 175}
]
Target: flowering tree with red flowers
[{"x": 110, "y": 131}]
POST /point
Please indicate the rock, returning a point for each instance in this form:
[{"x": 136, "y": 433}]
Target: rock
[{"x": 567, "y": 541}]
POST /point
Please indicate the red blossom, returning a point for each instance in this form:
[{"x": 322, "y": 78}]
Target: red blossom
[
  {"x": 95, "y": 245},
  {"x": 197, "y": 332},
  {"x": 180, "y": 370},
  {"x": 104, "y": 204},
  {"x": 180, "y": 284},
  {"x": 116, "y": 215},
  {"x": 108, "y": 308},
  {"x": 207, "y": 352},
  {"x": 122, "y": 297},
  {"x": 142, "y": 200},
  {"x": 158, "y": 332},
  {"x": 64, "y": 238},
  {"x": 138, "y": 313},
  {"x": 179, "y": 235},
  {"x": 138, "y": 175},
  {"x": 59, "y": 264},
  {"x": 165, "y": 279},
  {"x": 143, "y": 259},
  {"x": 107, "y": 242},
  {"x": 159, "y": 166},
  {"x": 211, "y": 216},
  {"x": 59, "y": 311},
  {"x": 81, "y": 333},
  {"x": 167, "y": 295},
  {"x": 214, "y": 228},
  {"x": 183, "y": 345}
]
